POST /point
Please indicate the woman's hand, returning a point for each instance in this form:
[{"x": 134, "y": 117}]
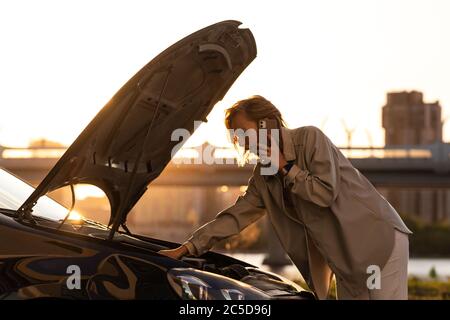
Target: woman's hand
[
  {"x": 272, "y": 151},
  {"x": 176, "y": 253}
]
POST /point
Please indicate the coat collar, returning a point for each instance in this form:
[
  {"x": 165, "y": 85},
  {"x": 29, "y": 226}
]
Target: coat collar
[
  {"x": 288, "y": 144},
  {"x": 288, "y": 148}
]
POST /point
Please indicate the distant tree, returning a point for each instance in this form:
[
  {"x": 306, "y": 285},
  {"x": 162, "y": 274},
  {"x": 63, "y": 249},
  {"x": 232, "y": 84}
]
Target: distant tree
[
  {"x": 433, "y": 274},
  {"x": 428, "y": 239}
]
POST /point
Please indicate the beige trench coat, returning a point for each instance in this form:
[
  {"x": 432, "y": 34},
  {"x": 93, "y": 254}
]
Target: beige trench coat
[{"x": 338, "y": 223}]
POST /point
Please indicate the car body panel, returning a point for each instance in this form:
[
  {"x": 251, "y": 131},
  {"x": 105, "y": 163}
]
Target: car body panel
[
  {"x": 37, "y": 261},
  {"x": 129, "y": 142},
  {"x": 122, "y": 150}
]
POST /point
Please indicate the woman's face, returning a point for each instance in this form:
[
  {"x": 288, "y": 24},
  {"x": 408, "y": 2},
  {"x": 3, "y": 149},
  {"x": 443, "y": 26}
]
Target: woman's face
[{"x": 241, "y": 122}]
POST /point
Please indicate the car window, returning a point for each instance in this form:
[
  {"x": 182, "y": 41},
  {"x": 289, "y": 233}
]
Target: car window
[{"x": 14, "y": 192}]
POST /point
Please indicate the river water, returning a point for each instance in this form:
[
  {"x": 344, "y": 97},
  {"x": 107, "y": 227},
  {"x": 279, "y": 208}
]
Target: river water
[{"x": 417, "y": 267}]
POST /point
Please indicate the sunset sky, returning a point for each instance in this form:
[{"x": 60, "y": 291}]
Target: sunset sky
[{"x": 61, "y": 61}]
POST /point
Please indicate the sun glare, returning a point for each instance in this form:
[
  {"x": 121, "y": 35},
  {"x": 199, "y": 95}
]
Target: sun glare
[{"x": 75, "y": 216}]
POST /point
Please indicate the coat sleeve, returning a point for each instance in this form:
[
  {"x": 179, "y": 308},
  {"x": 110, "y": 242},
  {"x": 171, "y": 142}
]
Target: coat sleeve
[
  {"x": 319, "y": 182},
  {"x": 247, "y": 209}
]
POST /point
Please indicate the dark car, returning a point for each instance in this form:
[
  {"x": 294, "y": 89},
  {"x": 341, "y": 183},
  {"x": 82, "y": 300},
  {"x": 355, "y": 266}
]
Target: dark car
[{"x": 47, "y": 253}]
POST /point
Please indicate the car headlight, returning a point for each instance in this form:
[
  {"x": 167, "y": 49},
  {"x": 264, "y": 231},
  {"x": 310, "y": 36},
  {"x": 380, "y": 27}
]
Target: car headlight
[
  {"x": 193, "y": 284},
  {"x": 275, "y": 276}
]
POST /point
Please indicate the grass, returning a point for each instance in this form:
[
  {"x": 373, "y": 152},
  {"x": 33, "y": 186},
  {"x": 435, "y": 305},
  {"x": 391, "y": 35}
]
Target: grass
[{"x": 418, "y": 289}]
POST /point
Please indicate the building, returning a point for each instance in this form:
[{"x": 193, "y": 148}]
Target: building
[{"x": 408, "y": 120}]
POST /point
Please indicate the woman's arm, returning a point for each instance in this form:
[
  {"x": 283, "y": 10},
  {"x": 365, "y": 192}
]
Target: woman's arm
[
  {"x": 248, "y": 208},
  {"x": 319, "y": 183}
]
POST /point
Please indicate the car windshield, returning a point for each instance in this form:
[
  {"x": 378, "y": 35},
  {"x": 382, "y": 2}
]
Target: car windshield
[{"x": 14, "y": 192}]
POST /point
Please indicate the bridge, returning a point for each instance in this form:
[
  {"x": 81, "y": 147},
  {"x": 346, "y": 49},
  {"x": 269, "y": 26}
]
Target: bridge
[
  {"x": 412, "y": 166},
  {"x": 415, "y": 166}
]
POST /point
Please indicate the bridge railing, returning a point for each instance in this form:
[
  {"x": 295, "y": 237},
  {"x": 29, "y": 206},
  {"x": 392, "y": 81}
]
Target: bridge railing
[
  {"x": 436, "y": 156},
  {"x": 31, "y": 152},
  {"x": 413, "y": 152}
]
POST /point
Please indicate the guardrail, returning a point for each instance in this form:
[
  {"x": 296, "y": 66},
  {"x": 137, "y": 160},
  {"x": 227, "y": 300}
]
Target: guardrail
[{"x": 433, "y": 156}]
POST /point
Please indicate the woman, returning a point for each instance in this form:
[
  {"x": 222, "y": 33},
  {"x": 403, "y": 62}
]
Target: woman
[{"x": 328, "y": 216}]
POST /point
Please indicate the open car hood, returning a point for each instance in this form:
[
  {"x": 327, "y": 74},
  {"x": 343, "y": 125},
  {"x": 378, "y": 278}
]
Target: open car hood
[{"x": 128, "y": 143}]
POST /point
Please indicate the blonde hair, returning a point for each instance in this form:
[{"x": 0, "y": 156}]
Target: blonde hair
[{"x": 255, "y": 108}]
